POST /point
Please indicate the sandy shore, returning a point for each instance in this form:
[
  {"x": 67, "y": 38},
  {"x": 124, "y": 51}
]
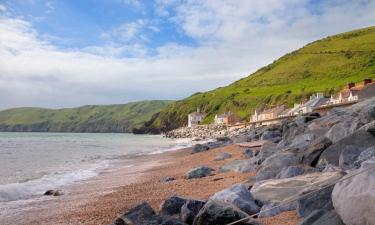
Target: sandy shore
[{"x": 129, "y": 182}]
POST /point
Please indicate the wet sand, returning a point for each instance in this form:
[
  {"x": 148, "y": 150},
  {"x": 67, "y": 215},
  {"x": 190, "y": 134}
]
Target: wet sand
[{"x": 129, "y": 182}]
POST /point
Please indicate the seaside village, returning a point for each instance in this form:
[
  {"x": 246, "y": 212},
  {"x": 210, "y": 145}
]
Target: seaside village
[{"x": 317, "y": 103}]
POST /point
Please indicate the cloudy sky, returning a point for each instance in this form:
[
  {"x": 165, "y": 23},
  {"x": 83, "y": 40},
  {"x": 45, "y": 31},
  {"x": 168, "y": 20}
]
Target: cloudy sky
[{"x": 65, "y": 53}]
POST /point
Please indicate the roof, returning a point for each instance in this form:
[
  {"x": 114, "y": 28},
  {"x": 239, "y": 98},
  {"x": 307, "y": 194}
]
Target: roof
[
  {"x": 314, "y": 102},
  {"x": 277, "y": 109},
  {"x": 226, "y": 114}
]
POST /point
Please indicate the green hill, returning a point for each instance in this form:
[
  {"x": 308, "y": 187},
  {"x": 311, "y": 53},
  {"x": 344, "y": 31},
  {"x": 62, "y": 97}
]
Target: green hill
[
  {"x": 92, "y": 118},
  {"x": 325, "y": 65}
]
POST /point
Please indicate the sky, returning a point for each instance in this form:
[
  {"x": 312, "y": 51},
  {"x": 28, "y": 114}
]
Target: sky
[{"x": 68, "y": 53}]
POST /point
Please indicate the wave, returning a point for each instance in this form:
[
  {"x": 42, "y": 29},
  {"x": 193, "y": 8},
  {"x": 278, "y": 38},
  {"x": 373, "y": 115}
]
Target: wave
[{"x": 37, "y": 187}]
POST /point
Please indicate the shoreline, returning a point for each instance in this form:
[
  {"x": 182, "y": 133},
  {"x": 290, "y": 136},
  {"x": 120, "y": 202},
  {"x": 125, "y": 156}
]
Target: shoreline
[{"x": 101, "y": 199}]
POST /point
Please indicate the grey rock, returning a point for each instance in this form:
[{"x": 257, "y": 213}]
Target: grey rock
[
  {"x": 322, "y": 217},
  {"x": 353, "y": 199},
  {"x": 275, "y": 163},
  {"x": 270, "y": 134},
  {"x": 292, "y": 171},
  {"x": 199, "y": 172},
  {"x": 167, "y": 179},
  {"x": 248, "y": 153},
  {"x": 364, "y": 156},
  {"x": 223, "y": 156},
  {"x": 239, "y": 196},
  {"x": 217, "y": 213},
  {"x": 54, "y": 192},
  {"x": 190, "y": 210},
  {"x": 160, "y": 220},
  {"x": 241, "y": 166},
  {"x": 308, "y": 203},
  {"x": 241, "y": 138},
  {"x": 172, "y": 206},
  {"x": 314, "y": 150},
  {"x": 348, "y": 157},
  {"x": 303, "y": 139},
  {"x": 136, "y": 215},
  {"x": 199, "y": 148},
  {"x": 273, "y": 209}
]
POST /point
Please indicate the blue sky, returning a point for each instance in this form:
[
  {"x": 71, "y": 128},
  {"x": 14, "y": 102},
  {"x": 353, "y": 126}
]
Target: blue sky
[{"x": 56, "y": 53}]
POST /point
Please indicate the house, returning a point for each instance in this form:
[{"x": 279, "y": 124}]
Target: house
[
  {"x": 316, "y": 100},
  {"x": 227, "y": 118},
  {"x": 368, "y": 90},
  {"x": 195, "y": 118},
  {"x": 293, "y": 111},
  {"x": 268, "y": 114},
  {"x": 353, "y": 93}
]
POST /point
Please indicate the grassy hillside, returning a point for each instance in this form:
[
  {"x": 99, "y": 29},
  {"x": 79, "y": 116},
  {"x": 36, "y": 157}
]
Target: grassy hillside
[
  {"x": 94, "y": 118},
  {"x": 325, "y": 65}
]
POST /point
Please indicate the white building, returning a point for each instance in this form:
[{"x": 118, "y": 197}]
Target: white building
[
  {"x": 316, "y": 100},
  {"x": 195, "y": 118}
]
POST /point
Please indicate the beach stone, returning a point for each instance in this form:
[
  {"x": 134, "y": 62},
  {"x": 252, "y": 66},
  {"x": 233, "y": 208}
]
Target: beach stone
[
  {"x": 275, "y": 191},
  {"x": 167, "y": 179},
  {"x": 314, "y": 150},
  {"x": 322, "y": 217},
  {"x": 53, "y": 192},
  {"x": 275, "y": 163},
  {"x": 219, "y": 213},
  {"x": 199, "y": 148},
  {"x": 292, "y": 171},
  {"x": 136, "y": 215},
  {"x": 248, "y": 153},
  {"x": 172, "y": 206},
  {"x": 190, "y": 209},
  {"x": 241, "y": 166},
  {"x": 316, "y": 201},
  {"x": 223, "y": 156},
  {"x": 239, "y": 196},
  {"x": 199, "y": 172},
  {"x": 273, "y": 209},
  {"x": 270, "y": 134},
  {"x": 353, "y": 199},
  {"x": 360, "y": 140}
]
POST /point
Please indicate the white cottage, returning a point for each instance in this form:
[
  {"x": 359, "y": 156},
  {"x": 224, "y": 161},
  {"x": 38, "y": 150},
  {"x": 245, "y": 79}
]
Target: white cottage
[{"x": 195, "y": 118}]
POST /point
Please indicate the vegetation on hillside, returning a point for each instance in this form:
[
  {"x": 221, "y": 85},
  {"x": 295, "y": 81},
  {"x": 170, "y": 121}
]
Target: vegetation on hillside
[
  {"x": 325, "y": 65},
  {"x": 91, "y": 118}
]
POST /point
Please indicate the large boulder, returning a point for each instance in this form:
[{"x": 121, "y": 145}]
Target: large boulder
[
  {"x": 222, "y": 156},
  {"x": 292, "y": 171},
  {"x": 364, "y": 156},
  {"x": 359, "y": 140},
  {"x": 275, "y": 163},
  {"x": 343, "y": 129},
  {"x": 172, "y": 206},
  {"x": 199, "y": 148},
  {"x": 314, "y": 150},
  {"x": 303, "y": 140},
  {"x": 239, "y": 196},
  {"x": 190, "y": 210},
  {"x": 354, "y": 198},
  {"x": 322, "y": 217},
  {"x": 219, "y": 213},
  {"x": 199, "y": 172},
  {"x": 136, "y": 215},
  {"x": 241, "y": 166},
  {"x": 308, "y": 203},
  {"x": 275, "y": 191}
]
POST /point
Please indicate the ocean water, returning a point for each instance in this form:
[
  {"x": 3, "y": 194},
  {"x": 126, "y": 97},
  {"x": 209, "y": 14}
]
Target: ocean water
[{"x": 31, "y": 163}]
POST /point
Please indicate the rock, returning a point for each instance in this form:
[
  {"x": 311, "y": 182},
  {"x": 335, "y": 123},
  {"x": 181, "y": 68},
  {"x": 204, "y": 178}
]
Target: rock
[
  {"x": 160, "y": 220},
  {"x": 322, "y": 217},
  {"x": 364, "y": 156},
  {"x": 248, "y": 153},
  {"x": 218, "y": 178},
  {"x": 354, "y": 198},
  {"x": 190, "y": 210},
  {"x": 53, "y": 192},
  {"x": 275, "y": 163},
  {"x": 221, "y": 214},
  {"x": 276, "y": 191},
  {"x": 268, "y": 149},
  {"x": 239, "y": 196},
  {"x": 136, "y": 215},
  {"x": 172, "y": 206},
  {"x": 361, "y": 140},
  {"x": 222, "y": 156},
  {"x": 293, "y": 171},
  {"x": 241, "y": 166},
  {"x": 273, "y": 209},
  {"x": 316, "y": 201},
  {"x": 314, "y": 150},
  {"x": 167, "y": 179},
  {"x": 302, "y": 140},
  {"x": 199, "y": 148},
  {"x": 348, "y": 157},
  {"x": 270, "y": 134},
  {"x": 199, "y": 172}
]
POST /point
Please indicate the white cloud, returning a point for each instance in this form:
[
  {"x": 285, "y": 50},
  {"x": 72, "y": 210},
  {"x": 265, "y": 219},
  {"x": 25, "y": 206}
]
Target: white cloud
[
  {"x": 234, "y": 38},
  {"x": 3, "y": 8}
]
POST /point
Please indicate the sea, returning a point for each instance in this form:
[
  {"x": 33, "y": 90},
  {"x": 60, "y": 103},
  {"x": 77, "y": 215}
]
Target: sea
[{"x": 31, "y": 163}]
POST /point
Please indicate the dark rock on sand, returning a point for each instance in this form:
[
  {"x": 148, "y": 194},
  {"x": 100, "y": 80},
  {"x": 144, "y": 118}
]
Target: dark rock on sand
[
  {"x": 239, "y": 196},
  {"x": 248, "y": 153},
  {"x": 199, "y": 172},
  {"x": 190, "y": 209},
  {"x": 221, "y": 214},
  {"x": 167, "y": 179},
  {"x": 199, "y": 148},
  {"x": 136, "y": 215},
  {"x": 242, "y": 166},
  {"x": 160, "y": 220},
  {"x": 53, "y": 192},
  {"x": 172, "y": 206},
  {"x": 316, "y": 201},
  {"x": 223, "y": 156}
]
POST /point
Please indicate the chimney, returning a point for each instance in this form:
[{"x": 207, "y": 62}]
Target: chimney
[
  {"x": 350, "y": 85},
  {"x": 367, "y": 81}
]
